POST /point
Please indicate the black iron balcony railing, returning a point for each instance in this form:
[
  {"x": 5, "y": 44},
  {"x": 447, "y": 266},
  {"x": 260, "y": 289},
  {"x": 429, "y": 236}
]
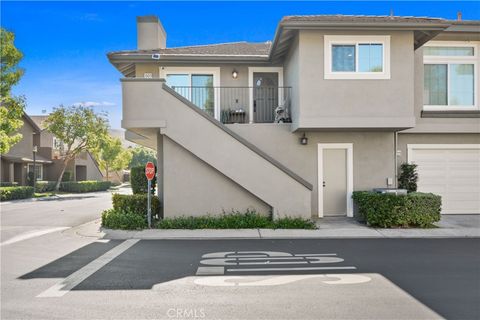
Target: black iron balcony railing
[{"x": 241, "y": 104}]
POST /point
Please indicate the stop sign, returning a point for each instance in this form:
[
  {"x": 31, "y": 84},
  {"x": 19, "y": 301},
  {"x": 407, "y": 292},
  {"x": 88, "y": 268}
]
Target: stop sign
[{"x": 150, "y": 170}]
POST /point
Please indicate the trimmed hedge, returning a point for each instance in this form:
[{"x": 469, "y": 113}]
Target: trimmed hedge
[
  {"x": 84, "y": 186},
  {"x": 45, "y": 186},
  {"x": 138, "y": 180},
  {"x": 135, "y": 203},
  {"x": 14, "y": 193},
  {"x": 234, "y": 220},
  {"x": 390, "y": 210},
  {"x": 122, "y": 219}
]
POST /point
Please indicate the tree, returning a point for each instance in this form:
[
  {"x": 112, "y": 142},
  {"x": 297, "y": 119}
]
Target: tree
[
  {"x": 140, "y": 156},
  {"x": 79, "y": 128},
  {"x": 11, "y": 107},
  {"x": 112, "y": 156}
]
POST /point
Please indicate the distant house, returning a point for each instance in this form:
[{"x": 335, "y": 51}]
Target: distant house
[{"x": 48, "y": 159}]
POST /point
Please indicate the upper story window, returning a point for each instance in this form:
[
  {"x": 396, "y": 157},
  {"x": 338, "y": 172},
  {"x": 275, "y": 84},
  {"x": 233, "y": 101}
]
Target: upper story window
[
  {"x": 357, "y": 57},
  {"x": 57, "y": 143},
  {"x": 450, "y": 76}
]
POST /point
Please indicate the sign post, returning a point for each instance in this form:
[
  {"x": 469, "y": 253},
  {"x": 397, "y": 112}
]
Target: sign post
[{"x": 150, "y": 174}]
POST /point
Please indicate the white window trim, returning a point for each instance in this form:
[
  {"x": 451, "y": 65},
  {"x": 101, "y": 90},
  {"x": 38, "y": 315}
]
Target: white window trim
[
  {"x": 215, "y": 71},
  {"x": 455, "y": 60},
  {"x": 349, "y": 148},
  {"x": 41, "y": 169},
  {"x": 251, "y": 70},
  {"x": 330, "y": 40}
]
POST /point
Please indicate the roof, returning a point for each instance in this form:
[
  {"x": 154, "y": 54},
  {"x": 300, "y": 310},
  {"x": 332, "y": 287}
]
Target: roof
[
  {"x": 425, "y": 28},
  {"x": 38, "y": 158},
  {"x": 39, "y": 121},
  {"x": 361, "y": 19},
  {"x": 31, "y": 122},
  {"x": 222, "y": 49}
]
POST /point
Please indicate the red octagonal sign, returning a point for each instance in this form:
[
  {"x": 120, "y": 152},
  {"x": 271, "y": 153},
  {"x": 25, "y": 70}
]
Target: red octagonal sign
[{"x": 150, "y": 170}]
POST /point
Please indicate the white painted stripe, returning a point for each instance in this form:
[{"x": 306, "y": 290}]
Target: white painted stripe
[
  {"x": 290, "y": 269},
  {"x": 70, "y": 282},
  {"x": 32, "y": 234},
  {"x": 204, "y": 271}
]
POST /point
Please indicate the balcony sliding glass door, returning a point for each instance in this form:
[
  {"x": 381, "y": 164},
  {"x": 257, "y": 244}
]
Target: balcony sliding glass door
[{"x": 197, "y": 88}]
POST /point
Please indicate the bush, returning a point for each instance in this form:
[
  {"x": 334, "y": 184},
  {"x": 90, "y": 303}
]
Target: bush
[
  {"x": 135, "y": 203},
  {"x": 234, "y": 220},
  {"x": 122, "y": 219},
  {"x": 8, "y": 184},
  {"x": 138, "y": 180},
  {"x": 408, "y": 177},
  {"x": 84, "y": 186},
  {"x": 14, "y": 193},
  {"x": 67, "y": 176},
  {"x": 390, "y": 210},
  {"x": 45, "y": 186}
]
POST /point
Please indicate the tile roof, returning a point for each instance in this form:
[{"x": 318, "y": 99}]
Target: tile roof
[
  {"x": 222, "y": 49},
  {"x": 360, "y": 19}
]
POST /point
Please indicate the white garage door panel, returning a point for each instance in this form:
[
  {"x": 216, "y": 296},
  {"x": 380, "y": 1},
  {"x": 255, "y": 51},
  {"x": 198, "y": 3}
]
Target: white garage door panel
[{"x": 452, "y": 172}]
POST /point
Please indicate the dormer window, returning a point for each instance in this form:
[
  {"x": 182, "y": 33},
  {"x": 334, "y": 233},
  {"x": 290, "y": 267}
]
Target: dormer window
[
  {"x": 357, "y": 57},
  {"x": 450, "y": 76}
]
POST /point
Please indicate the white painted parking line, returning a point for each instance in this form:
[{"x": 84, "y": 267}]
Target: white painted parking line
[
  {"x": 70, "y": 282},
  {"x": 207, "y": 271},
  {"x": 32, "y": 234},
  {"x": 290, "y": 269}
]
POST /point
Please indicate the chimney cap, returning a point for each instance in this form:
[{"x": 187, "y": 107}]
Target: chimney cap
[
  {"x": 459, "y": 16},
  {"x": 150, "y": 18}
]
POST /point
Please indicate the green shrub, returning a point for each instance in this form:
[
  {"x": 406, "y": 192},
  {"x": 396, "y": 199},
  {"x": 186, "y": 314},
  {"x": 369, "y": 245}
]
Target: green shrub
[
  {"x": 122, "y": 219},
  {"x": 45, "y": 186},
  {"x": 14, "y": 193},
  {"x": 408, "y": 177},
  {"x": 8, "y": 184},
  {"x": 67, "y": 176},
  {"x": 135, "y": 203},
  {"x": 138, "y": 180},
  {"x": 390, "y": 210},
  {"x": 234, "y": 220},
  {"x": 84, "y": 186}
]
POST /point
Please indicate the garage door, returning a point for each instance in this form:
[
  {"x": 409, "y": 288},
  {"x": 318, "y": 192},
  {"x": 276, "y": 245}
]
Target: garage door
[{"x": 452, "y": 171}]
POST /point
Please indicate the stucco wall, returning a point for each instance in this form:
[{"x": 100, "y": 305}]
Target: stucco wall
[
  {"x": 192, "y": 187},
  {"x": 373, "y": 156},
  {"x": 432, "y": 138},
  {"x": 292, "y": 77},
  {"x": 24, "y": 147},
  {"x": 357, "y": 103}
]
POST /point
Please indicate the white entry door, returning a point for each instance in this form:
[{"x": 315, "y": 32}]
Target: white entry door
[
  {"x": 451, "y": 171},
  {"x": 335, "y": 179}
]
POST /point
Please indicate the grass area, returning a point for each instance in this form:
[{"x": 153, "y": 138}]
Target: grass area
[
  {"x": 44, "y": 194},
  {"x": 235, "y": 220}
]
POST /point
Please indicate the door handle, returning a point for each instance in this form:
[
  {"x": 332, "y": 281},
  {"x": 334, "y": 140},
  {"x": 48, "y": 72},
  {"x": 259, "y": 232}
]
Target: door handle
[{"x": 324, "y": 184}]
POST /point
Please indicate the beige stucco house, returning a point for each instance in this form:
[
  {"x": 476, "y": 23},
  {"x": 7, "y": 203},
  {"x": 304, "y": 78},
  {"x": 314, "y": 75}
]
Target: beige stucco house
[
  {"x": 48, "y": 158},
  {"x": 293, "y": 126}
]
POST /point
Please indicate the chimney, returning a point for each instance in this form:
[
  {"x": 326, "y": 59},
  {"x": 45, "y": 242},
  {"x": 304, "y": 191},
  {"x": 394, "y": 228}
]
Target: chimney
[
  {"x": 150, "y": 33},
  {"x": 459, "y": 16}
]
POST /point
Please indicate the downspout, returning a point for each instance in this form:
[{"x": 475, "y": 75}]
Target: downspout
[{"x": 395, "y": 158}]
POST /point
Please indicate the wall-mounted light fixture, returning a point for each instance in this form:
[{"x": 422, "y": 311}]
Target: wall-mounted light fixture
[
  {"x": 304, "y": 140},
  {"x": 234, "y": 74}
]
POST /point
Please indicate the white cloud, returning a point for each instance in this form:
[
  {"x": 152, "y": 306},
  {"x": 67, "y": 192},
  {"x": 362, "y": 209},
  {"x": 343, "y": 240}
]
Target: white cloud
[{"x": 94, "y": 104}]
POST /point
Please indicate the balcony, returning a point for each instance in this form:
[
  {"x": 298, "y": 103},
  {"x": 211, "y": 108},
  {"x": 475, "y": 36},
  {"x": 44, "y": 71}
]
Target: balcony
[{"x": 241, "y": 104}]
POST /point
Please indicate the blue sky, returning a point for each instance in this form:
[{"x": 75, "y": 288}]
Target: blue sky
[{"x": 65, "y": 43}]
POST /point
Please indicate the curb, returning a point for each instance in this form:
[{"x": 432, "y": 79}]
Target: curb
[{"x": 93, "y": 229}]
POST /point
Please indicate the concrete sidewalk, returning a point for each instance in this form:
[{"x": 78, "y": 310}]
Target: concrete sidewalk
[{"x": 464, "y": 226}]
